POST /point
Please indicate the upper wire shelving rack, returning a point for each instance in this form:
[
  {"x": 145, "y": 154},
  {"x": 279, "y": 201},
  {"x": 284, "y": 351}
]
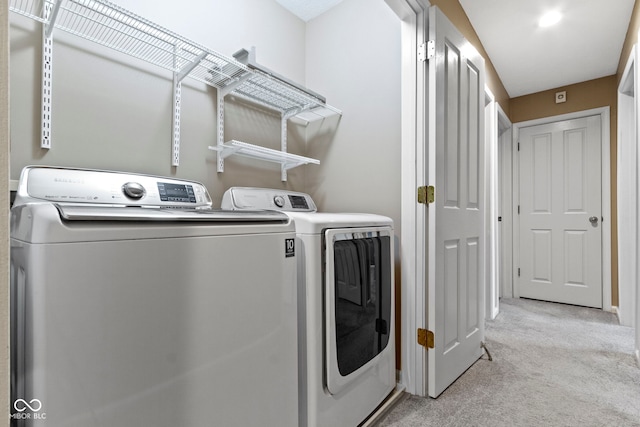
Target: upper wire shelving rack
[{"x": 117, "y": 28}]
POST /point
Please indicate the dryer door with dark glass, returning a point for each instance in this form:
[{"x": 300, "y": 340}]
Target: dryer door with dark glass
[{"x": 358, "y": 301}]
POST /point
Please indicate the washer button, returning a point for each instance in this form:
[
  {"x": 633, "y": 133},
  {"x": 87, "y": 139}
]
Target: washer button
[
  {"x": 133, "y": 190},
  {"x": 279, "y": 201}
]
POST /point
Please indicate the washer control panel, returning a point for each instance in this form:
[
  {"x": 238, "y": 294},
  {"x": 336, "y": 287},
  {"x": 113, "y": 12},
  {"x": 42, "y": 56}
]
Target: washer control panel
[
  {"x": 251, "y": 198},
  {"x": 81, "y": 186}
]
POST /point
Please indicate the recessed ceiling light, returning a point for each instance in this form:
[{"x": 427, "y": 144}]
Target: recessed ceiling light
[{"x": 550, "y": 18}]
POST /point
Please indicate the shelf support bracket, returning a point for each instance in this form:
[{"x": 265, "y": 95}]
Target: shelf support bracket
[
  {"x": 221, "y": 93},
  {"x": 189, "y": 68},
  {"x": 50, "y": 14},
  {"x": 283, "y": 141},
  {"x": 283, "y": 145}
]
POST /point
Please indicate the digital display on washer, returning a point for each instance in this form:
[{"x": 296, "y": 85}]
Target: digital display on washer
[
  {"x": 176, "y": 192},
  {"x": 298, "y": 202}
]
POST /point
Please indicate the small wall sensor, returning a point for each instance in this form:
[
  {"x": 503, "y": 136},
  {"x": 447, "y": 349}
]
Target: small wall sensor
[{"x": 561, "y": 97}]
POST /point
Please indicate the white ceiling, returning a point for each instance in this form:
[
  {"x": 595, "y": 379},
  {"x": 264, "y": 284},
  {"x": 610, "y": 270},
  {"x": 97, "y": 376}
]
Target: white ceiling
[
  {"x": 585, "y": 45},
  {"x": 308, "y": 9}
]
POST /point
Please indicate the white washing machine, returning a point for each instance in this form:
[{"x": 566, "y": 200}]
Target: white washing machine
[
  {"x": 346, "y": 306},
  {"x": 133, "y": 303}
]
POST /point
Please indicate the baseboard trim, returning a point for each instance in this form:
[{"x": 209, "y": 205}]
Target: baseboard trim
[
  {"x": 614, "y": 310},
  {"x": 395, "y": 397}
]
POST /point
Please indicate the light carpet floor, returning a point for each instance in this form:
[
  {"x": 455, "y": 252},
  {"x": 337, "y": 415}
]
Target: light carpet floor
[{"x": 553, "y": 365}]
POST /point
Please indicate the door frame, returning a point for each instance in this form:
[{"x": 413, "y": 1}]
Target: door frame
[
  {"x": 492, "y": 199},
  {"x": 505, "y": 200},
  {"x": 498, "y": 200},
  {"x": 604, "y": 113},
  {"x": 627, "y": 190},
  {"x": 413, "y": 15}
]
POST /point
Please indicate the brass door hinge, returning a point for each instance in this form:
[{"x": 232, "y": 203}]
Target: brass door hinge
[
  {"x": 426, "y": 195},
  {"x": 426, "y": 338}
]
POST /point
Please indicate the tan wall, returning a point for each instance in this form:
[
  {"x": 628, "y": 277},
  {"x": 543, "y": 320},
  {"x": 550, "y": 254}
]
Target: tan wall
[
  {"x": 453, "y": 10},
  {"x": 581, "y": 96},
  {"x": 631, "y": 39}
]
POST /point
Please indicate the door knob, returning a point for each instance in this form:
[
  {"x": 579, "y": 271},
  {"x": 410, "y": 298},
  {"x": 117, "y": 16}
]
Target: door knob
[{"x": 593, "y": 220}]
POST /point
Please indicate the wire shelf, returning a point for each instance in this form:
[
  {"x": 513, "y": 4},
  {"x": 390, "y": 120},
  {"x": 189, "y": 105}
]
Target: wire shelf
[
  {"x": 109, "y": 25},
  {"x": 287, "y": 160},
  {"x": 114, "y": 27},
  {"x": 33, "y": 9},
  {"x": 267, "y": 89}
]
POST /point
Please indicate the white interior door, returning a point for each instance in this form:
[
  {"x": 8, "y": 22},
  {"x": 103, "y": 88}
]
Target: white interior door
[
  {"x": 456, "y": 248},
  {"x": 560, "y": 212}
]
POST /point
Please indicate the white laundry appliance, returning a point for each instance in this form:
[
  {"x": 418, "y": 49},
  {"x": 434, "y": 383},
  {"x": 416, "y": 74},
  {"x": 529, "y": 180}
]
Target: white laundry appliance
[
  {"x": 133, "y": 303},
  {"x": 346, "y": 306}
]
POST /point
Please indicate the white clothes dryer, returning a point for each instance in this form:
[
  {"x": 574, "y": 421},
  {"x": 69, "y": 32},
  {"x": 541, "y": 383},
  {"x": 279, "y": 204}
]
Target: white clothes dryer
[
  {"x": 134, "y": 303},
  {"x": 346, "y": 306}
]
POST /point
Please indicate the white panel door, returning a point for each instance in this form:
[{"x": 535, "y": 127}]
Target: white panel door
[
  {"x": 560, "y": 212},
  {"x": 456, "y": 255}
]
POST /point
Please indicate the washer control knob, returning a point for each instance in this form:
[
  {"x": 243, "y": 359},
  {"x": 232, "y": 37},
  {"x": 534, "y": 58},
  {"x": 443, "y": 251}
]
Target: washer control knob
[
  {"x": 133, "y": 190},
  {"x": 279, "y": 201}
]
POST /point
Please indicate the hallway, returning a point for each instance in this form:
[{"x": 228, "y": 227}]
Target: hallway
[{"x": 553, "y": 365}]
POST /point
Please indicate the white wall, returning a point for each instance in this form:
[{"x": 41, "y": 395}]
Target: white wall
[
  {"x": 228, "y": 25},
  {"x": 114, "y": 112},
  {"x": 353, "y": 58}
]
